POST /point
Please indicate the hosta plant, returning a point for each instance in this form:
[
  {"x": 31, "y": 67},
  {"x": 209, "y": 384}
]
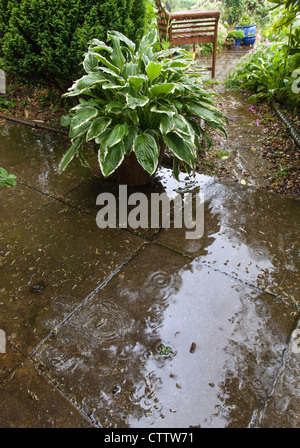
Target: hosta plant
[{"x": 138, "y": 100}]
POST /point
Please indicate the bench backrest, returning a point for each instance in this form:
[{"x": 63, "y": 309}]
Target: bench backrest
[{"x": 187, "y": 26}]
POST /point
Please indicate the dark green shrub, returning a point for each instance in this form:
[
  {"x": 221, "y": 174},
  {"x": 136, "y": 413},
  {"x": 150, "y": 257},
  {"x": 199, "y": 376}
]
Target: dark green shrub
[
  {"x": 46, "y": 39},
  {"x": 6, "y": 7}
]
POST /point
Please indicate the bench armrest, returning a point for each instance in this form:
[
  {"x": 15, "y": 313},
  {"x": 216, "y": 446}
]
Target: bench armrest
[{"x": 193, "y": 14}]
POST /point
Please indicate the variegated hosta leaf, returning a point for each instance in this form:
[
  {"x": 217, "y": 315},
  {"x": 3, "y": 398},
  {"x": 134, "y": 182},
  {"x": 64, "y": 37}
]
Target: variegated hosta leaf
[
  {"x": 116, "y": 107},
  {"x": 110, "y": 159},
  {"x": 129, "y": 139},
  {"x": 146, "y": 151},
  {"x": 130, "y": 69},
  {"x": 203, "y": 113},
  {"x": 106, "y": 62},
  {"x": 137, "y": 80},
  {"x": 133, "y": 102},
  {"x": 117, "y": 56},
  {"x": 98, "y": 126},
  {"x": 87, "y": 81},
  {"x": 153, "y": 70},
  {"x": 163, "y": 110},
  {"x": 82, "y": 120},
  {"x": 148, "y": 41},
  {"x": 117, "y": 135},
  {"x": 159, "y": 89},
  {"x": 98, "y": 45},
  {"x": 90, "y": 63},
  {"x": 180, "y": 148},
  {"x": 69, "y": 155},
  {"x": 124, "y": 39},
  {"x": 183, "y": 126},
  {"x": 166, "y": 124}
]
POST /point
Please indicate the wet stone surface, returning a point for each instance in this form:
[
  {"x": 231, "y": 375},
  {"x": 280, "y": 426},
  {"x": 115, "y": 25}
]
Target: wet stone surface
[
  {"x": 28, "y": 400},
  {"x": 145, "y": 328},
  {"x": 245, "y": 135},
  {"x": 282, "y": 409},
  {"x": 248, "y": 234},
  {"x": 170, "y": 344},
  {"x": 18, "y": 203},
  {"x": 9, "y": 361},
  {"x": 34, "y": 156},
  {"x": 49, "y": 266}
]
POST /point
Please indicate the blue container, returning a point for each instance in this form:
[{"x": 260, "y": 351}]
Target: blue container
[
  {"x": 250, "y": 29},
  {"x": 249, "y": 40},
  {"x": 238, "y": 41}
]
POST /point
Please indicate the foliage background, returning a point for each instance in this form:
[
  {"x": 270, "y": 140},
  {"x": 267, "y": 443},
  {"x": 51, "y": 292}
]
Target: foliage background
[{"x": 45, "y": 40}]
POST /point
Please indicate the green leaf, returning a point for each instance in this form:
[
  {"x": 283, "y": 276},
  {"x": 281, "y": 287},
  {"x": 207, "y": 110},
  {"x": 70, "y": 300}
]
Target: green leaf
[
  {"x": 159, "y": 89},
  {"x": 111, "y": 159},
  {"x": 106, "y": 62},
  {"x": 133, "y": 102},
  {"x": 65, "y": 120},
  {"x": 97, "y": 127},
  {"x": 3, "y": 172},
  {"x": 90, "y": 63},
  {"x": 129, "y": 139},
  {"x": 117, "y": 135},
  {"x": 81, "y": 121},
  {"x": 153, "y": 70},
  {"x": 137, "y": 81},
  {"x": 166, "y": 124},
  {"x": 69, "y": 155},
  {"x": 117, "y": 56},
  {"x": 124, "y": 39},
  {"x": 180, "y": 148},
  {"x": 148, "y": 40},
  {"x": 98, "y": 45},
  {"x": 146, "y": 152},
  {"x": 163, "y": 110}
]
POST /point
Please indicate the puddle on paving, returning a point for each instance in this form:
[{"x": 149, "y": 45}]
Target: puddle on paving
[
  {"x": 170, "y": 343},
  {"x": 249, "y": 234}
]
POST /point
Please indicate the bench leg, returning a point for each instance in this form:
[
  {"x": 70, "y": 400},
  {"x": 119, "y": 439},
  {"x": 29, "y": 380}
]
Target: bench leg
[{"x": 214, "y": 59}]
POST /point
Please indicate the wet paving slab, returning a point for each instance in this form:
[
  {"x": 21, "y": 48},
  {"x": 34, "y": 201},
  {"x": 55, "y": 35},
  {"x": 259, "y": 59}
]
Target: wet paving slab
[
  {"x": 9, "y": 361},
  {"x": 282, "y": 408},
  {"x": 34, "y": 156},
  {"x": 18, "y": 203},
  {"x": 29, "y": 400},
  {"x": 249, "y": 234},
  {"x": 170, "y": 343},
  {"x": 50, "y": 264}
]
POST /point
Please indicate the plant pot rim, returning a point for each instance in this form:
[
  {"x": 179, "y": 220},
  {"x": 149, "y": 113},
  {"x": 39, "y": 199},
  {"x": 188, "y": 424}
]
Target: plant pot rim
[{"x": 246, "y": 26}]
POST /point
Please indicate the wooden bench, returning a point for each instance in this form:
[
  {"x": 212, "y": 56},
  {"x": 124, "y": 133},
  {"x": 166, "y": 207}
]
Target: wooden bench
[{"x": 189, "y": 27}]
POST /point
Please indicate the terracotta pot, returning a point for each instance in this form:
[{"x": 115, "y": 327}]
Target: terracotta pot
[{"x": 131, "y": 173}]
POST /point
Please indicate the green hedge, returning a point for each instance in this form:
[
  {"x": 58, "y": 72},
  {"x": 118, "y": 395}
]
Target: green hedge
[{"x": 45, "y": 39}]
